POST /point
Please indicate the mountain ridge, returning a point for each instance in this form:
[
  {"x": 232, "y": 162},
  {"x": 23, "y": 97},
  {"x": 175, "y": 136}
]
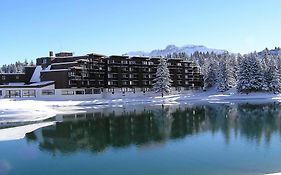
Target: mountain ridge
[{"x": 170, "y": 49}]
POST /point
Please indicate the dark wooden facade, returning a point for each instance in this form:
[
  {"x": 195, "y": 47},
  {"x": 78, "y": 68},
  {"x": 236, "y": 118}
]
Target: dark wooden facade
[
  {"x": 131, "y": 72},
  {"x": 99, "y": 71}
]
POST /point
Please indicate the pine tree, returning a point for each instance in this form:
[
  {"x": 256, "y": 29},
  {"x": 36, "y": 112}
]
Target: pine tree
[
  {"x": 267, "y": 76},
  {"x": 256, "y": 81},
  {"x": 210, "y": 73},
  {"x": 162, "y": 82},
  {"x": 250, "y": 74},
  {"x": 222, "y": 77},
  {"x": 31, "y": 63},
  {"x": 232, "y": 69},
  {"x": 243, "y": 84},
  {"x": 275, "y": 83}
]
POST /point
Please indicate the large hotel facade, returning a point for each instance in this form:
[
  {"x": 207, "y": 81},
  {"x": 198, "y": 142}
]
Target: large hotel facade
[{"x": 96, "y": 76}]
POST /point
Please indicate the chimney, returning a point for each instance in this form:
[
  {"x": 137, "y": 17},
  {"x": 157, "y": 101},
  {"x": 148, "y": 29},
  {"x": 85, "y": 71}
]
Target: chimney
[{"x": 51, "y": 53}]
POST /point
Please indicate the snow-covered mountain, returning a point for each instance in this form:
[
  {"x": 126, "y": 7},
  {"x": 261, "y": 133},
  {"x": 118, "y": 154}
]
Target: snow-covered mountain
[
  {"x": 275, "y": 51},
  {"x": 170, "y": 49}
]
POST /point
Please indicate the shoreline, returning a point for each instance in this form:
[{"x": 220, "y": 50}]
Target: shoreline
[{"x": 32, "y": 110}]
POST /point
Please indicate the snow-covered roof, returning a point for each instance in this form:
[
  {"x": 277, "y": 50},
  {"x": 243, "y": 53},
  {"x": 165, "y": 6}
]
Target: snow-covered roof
[
  {"x": 42, "y": 83},
  {"x": 83, "y": 60},
  {"x": 36, "y": 75},
  {"x": 3, "y": 73},
  {"x": 48, "y": 68},
  {"x": 23, "y": 85},
  {"x": 15, "y": 84},
  {"x": 55, "y": 70},
  {"x": 74, "y": 62}
]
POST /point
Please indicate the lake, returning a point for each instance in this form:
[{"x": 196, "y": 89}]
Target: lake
[{"x": 175, "y": 139}]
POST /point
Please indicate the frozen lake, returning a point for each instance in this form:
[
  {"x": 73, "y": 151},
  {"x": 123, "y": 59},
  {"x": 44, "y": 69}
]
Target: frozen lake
[{"x": 148, "y": 139}]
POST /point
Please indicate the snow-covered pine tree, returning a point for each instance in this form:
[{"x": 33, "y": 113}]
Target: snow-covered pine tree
[
  {"x": 275, "y": 83},
  {"x": 232, "y": 70},
  {"x": 222, "y": 77},
  {"x": 162, "y": 82},
  {"x": 267, "y": 77},
  {"x": 31, "y": 63},
  {"x": 210, "y": 72},
  {"x": 243, "y": 84},
  {"x": 250, "y": 74},
  {"x": 256, "y": 75}
]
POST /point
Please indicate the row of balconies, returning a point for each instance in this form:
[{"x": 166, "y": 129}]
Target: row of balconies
[{"x": 144, "y": 83}]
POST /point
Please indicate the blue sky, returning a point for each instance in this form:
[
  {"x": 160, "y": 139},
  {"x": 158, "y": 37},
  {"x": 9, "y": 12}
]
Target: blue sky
[{"x": 30, "y": 28}]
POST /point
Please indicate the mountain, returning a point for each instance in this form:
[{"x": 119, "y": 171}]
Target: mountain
[
  {"x": 170, "y": 49},
  {"x": 275, "y": 51}
]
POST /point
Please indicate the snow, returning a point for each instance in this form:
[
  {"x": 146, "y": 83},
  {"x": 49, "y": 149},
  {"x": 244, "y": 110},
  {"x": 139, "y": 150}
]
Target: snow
[
  {"x": 170, "y": 49},
  {"x": 14, "y": 84},
  {"x": 42, "y": 83},
  {"x": 55, "y": 70},
  {"x": 19, "y": 132},
  {"x": 24, "y": 111},
  {"x": 38, "y": 110},
  {"x": 63, "y": 63},
  {"x": 36, "y": 75}
]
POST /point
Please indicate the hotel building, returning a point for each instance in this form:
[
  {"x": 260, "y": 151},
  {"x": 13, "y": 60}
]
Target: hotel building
[{"x": 96, "y": 76}]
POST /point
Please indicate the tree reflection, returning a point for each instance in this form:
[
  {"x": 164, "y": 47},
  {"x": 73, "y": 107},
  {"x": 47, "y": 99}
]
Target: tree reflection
[{"x": 98, "y": 131}]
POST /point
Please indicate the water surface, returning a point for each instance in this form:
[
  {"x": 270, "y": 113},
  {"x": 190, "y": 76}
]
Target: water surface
[{"x": 148, "y": 140}]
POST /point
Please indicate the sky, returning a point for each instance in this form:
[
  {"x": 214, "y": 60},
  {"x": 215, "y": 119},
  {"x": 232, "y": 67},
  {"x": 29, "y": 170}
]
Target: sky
[{"x": 31, "y": 28}]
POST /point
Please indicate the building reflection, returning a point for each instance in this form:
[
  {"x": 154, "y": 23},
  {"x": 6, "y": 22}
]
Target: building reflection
[{"x": 97, "y": 131}]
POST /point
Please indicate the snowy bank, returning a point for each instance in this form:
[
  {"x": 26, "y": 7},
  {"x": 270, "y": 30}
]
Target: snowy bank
[
  {"x": 19, "y": 132},
  {"x": 39, "y": 110}
]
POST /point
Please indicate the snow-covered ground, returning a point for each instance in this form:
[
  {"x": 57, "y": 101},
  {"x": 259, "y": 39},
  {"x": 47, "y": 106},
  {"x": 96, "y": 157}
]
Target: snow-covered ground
[
  {"x": 36, "y": 110},
  {"x": 19, "y": 132}
]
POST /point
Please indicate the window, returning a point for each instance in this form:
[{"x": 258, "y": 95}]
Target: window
[
  {"x": 28, "y": 93},
  {"x": 48, "y": 92},
  {"x": 97, "y": 91},
  {"x": 71, "y": 74},
  {"x": 178, "y": 64},
  {"x": 17, "y": 77},
  {"x": 125, "y": 76},
  {"x": 0, "y": 92},
  {"x": 150, "y": 63},
  {"x": 3, "y": 77},
  {"x": 88, "y": 91},
  {"x": 80, "y": 92},
  {"x": 110, "y": 89},
  {"x": 67, "y": 92},
  {"x": 13, "y": 93}
]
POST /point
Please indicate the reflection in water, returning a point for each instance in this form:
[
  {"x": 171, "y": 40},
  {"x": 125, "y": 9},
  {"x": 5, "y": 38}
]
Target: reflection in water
[{"x": 97, "y": 131}]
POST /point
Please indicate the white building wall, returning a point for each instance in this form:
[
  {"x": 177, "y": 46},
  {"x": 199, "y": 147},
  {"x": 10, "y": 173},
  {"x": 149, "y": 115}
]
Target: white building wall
[{"x": 119, "y": 93}]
